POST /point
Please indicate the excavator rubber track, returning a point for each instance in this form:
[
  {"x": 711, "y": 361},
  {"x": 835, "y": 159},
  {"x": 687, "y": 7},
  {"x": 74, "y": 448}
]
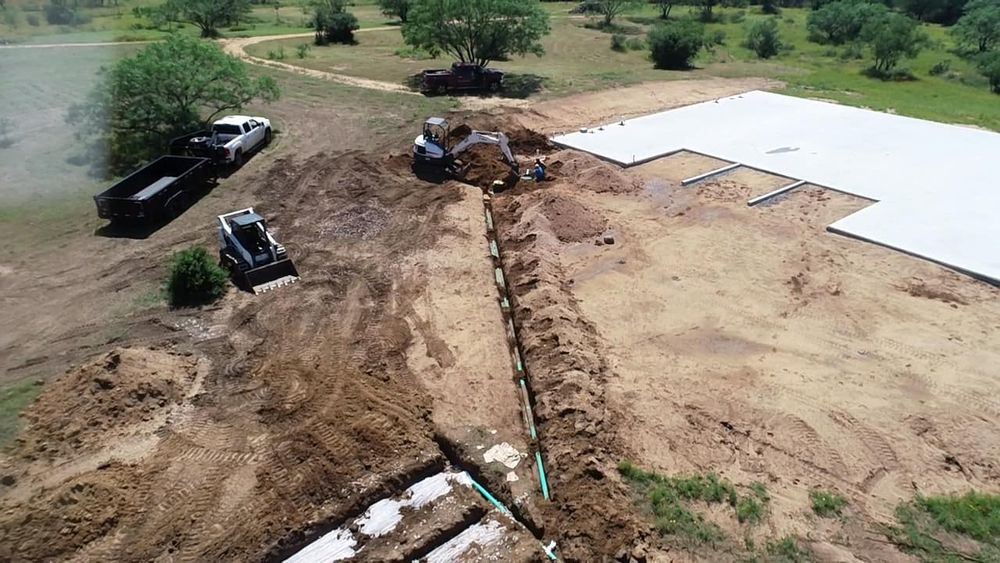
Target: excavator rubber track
[{"x": 271, "y": 276}]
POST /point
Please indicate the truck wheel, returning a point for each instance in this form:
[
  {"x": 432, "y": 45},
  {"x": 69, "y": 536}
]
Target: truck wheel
[
  {"x": 494, "y": 86},
  {"x": 267, "y": 136},
  {"x": 238, "y": 159},
  {"x": 441, "y": 90}
]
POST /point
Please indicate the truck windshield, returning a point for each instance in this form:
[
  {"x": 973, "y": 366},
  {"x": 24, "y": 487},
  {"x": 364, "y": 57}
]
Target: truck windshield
[{"x": 224, "y": 129}]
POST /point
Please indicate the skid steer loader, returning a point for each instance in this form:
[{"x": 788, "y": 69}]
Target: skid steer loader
[{"x": 256, "y": 261}]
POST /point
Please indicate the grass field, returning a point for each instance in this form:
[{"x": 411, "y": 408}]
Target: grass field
[
  {"x": 118, "y": 23},
  {"x": 13, "y": 399},
  {"x": 580, "y": 59}
]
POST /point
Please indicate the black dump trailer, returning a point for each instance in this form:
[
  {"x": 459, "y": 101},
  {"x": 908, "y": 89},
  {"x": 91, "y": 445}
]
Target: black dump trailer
[{"x": 156, "y": 192}]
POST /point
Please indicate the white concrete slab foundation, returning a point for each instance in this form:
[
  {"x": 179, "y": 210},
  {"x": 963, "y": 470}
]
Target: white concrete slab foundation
[{"x": 936, "y": 185}]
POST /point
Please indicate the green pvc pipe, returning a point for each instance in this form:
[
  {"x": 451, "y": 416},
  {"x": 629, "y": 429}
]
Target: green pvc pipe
[
  {"x": 541, "y": 475},
  {"x": 486, "y": 494},
  {"x": 527, "y": 410}
]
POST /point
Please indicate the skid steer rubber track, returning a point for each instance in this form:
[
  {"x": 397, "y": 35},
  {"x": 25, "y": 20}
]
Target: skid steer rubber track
[{"x": 272, "y": 276}]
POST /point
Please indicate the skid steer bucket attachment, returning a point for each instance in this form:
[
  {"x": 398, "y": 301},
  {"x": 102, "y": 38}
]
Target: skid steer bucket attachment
[{"x": 271, "y": 276}]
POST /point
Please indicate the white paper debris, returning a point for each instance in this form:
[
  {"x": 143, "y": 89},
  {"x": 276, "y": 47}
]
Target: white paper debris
[{"x": 503, "y": 453}]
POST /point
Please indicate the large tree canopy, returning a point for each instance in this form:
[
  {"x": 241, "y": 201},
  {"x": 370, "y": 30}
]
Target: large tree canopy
[
  {"x": 210, "y": 15},
  {"x": 167, "y": 89},
  {"x": 979, "y": 28},
  {"x": 477, "y": 31}
]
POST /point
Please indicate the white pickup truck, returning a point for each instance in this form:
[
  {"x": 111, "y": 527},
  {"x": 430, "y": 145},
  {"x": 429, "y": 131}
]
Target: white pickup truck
[
  {"x": 239, "y": 135},
  {"x": 230, "y": 140}
]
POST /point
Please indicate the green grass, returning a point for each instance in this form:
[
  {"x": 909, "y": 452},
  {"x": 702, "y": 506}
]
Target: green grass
[
  {"x": 827, "y": 504},
  {"x": 786, "y": 550},
  {"x": 580, "y": 59},
  {"x": 949, "y": 528},
  {"x": 13, "y": 399},
  {"x": 670, "y": 501},
  {"x": 118, "y": 23}
]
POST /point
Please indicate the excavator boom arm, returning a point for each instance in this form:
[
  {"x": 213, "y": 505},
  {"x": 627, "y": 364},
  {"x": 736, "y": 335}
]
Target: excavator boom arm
[{"x": 484, "y": 138}]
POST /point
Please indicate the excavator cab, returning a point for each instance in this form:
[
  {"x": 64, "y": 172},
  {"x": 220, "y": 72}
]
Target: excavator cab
[{"x": 431, "y": 146}]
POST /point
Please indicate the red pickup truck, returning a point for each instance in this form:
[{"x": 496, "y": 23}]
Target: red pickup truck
[{"x": 461, "y": 76}]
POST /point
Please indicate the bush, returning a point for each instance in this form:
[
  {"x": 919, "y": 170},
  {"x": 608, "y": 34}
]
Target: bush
[
  {"x": 826, "y": 504},
  {"x": 763, "y": 38},
  {"x": 588, "y": 7},
  {"x": 32, "y": 20},
  {"x": 841, "y": 21},
  {"x": 852, "y": 52},
  {"x": 195, "y": 278},
  {"x": 303, "y": 50},
  {"x": 59, "y": 12},
  {"x": 891, "y": 38},
  {"x": 635, "y": 44},
  {"x": 618, "y": 43},
  {"x": 718, "y": 37},
  {"x": 989, "y": 66},
  {"x": 770, "y": 7},
  {"x": 278, "y": 55},
  {"x": 940, "y": 67},
  {"x": 333, "y": 24},
  {"x": 674, "y": 44}
]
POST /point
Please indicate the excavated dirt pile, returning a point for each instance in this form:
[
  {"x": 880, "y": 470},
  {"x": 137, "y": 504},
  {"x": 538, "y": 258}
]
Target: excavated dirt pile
[
  {"x": 105, "y": 396},
  {"x": 592, "y": 510},
  {"x": 307, "y": 412},
  {"x": 588, "y": 172}
]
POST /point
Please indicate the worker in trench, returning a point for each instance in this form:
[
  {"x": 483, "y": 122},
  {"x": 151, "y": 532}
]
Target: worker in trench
[{"x": 539, "y": 171}]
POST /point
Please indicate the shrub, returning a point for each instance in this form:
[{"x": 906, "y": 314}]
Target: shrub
[
  {"x": 32, "y": 20},
  {"x": 59, "y": 12},
  {"x": 827, "y": 504},
  {"x": 852, "y": 52},
  {"x": 195, "y": 278},
  {"x": 989, "y": 66},
  {"x": 618, "y": 42},
  {"x": 587, "y": 7},
  {"x": 635, "y": 44},
  {"x": 940, "y": 67},
  {"x": 892, "y": 37},
  {"x": 674, "y": 44},
  {"x": 303, "y": 50},
  {"x": 763, "y": 38},
  {"x": 841, "y": 21},
  {"x": 278, "y": 55},
  {"x": 770, "y": 7},
  {"x": 718, "y": 37}
]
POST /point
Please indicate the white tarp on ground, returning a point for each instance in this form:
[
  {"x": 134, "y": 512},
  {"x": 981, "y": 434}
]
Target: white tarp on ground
[{"x": 937, "y": 187}]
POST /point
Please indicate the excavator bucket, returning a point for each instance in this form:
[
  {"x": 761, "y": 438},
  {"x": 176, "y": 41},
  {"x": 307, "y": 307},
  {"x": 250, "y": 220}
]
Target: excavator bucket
[{"x": 271, "y": 276}]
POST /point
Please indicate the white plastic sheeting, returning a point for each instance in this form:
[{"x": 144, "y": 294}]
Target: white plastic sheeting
[
  {"x": 936, "y": 185},
  {"x": 380, "y": 518}
]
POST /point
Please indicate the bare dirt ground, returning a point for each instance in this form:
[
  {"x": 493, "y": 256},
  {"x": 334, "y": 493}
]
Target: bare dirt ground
[
  {"x": 708, "y": 336},
  {"x": 714, "y": 337}
]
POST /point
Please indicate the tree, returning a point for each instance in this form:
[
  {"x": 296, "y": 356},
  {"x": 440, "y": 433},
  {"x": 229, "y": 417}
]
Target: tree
[
  {"x": 707, "y": 6},
  {"x": 395, "y": 8},
  {"x": 195, "y": 279},
  {"x": 210, "y": 15},
  {"x": 167, "y": 89},
  {"x": 664, "y": 6},
  {"x": 945, "y": 12},
  {"x": 979, "y": 28},
  {"x": 674, "y": 44},
  {"x": 841, "y": 21},
  {"x": 477, "y": 31},
  {"x": 60, "y": 12},
  {"x": 763, "y": 38},
  {"x": 892, "y": 37},
  {"x": 334, "y": 24},
  {"x": 989, "y": 66},
  {"x": 611, "y": 9}
]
